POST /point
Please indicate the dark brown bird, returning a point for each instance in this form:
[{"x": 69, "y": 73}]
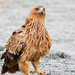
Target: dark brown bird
[{"x": 28, "y": 43}]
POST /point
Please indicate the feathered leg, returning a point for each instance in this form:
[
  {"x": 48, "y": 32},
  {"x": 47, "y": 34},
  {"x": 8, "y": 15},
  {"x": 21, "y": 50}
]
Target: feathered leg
[
  {"x": 24, "y": 67},
  {"x": 35, "y": 64}
]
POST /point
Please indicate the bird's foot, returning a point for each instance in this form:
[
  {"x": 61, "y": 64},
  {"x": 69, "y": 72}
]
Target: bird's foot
[{"x": 39, "y": 72}]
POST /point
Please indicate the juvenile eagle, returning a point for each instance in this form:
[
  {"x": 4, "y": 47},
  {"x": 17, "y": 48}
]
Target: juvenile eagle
[{"x": 28, "y": 43}]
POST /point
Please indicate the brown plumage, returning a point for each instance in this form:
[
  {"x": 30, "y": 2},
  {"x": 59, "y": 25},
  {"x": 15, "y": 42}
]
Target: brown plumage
[{"x": 28, "y": 43}]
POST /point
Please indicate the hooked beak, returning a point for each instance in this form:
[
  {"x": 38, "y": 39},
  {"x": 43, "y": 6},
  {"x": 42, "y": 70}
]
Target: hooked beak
[{"x": 40, "y": 10}]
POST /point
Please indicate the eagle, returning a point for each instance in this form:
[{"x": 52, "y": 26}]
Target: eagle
[{"x": 28, "y": 43}]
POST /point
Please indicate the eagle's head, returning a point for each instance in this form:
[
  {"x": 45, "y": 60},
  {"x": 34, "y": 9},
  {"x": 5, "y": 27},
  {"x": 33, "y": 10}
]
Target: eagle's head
[{"x": 38, "y": 13}]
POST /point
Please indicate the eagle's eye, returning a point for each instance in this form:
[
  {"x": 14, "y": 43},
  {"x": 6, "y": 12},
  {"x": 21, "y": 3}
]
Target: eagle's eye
[
  {"x": 44, "y": 9},
  {"x": 37, "y": 9}
]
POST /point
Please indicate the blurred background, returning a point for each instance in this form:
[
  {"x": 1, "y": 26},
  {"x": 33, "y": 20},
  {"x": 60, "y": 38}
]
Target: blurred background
[{"x": 60, "y": 23}]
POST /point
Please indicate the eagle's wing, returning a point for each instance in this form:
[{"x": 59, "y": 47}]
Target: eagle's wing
[{"x": 15, "y": 46}]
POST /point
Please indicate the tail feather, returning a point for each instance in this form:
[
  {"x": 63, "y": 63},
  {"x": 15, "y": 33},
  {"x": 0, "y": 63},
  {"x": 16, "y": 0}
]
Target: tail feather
[
  {"x": 4, "y": 69},
  {"x": 3, "y": 55},
  {"x": 10, "y": 70},
  {"x": 10, "y": 63}
]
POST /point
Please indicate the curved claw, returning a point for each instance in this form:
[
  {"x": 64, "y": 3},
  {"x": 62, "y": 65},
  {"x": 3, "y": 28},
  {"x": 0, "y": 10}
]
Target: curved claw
[{"x": 39, "y": 72}]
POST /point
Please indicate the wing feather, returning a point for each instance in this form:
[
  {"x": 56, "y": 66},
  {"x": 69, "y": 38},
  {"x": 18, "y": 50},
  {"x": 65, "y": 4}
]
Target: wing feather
[{"x": 15, "y": 46}]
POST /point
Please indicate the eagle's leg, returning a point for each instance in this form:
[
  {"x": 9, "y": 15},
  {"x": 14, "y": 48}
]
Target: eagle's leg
[
  {"x": 35, "y": 64},
  {"x": 24, "y": 67}
]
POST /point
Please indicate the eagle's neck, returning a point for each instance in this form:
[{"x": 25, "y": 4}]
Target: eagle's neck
[
  {"x": 37, "y": 17},
  {"x": 34, "y": 22}
]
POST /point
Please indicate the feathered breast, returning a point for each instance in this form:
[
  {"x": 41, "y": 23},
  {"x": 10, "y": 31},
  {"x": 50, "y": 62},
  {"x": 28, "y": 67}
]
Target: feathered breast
[{"x": 37, "y": 37}]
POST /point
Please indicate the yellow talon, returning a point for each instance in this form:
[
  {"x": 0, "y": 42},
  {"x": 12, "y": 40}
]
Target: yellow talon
[{"x": 39, "y": 72}]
